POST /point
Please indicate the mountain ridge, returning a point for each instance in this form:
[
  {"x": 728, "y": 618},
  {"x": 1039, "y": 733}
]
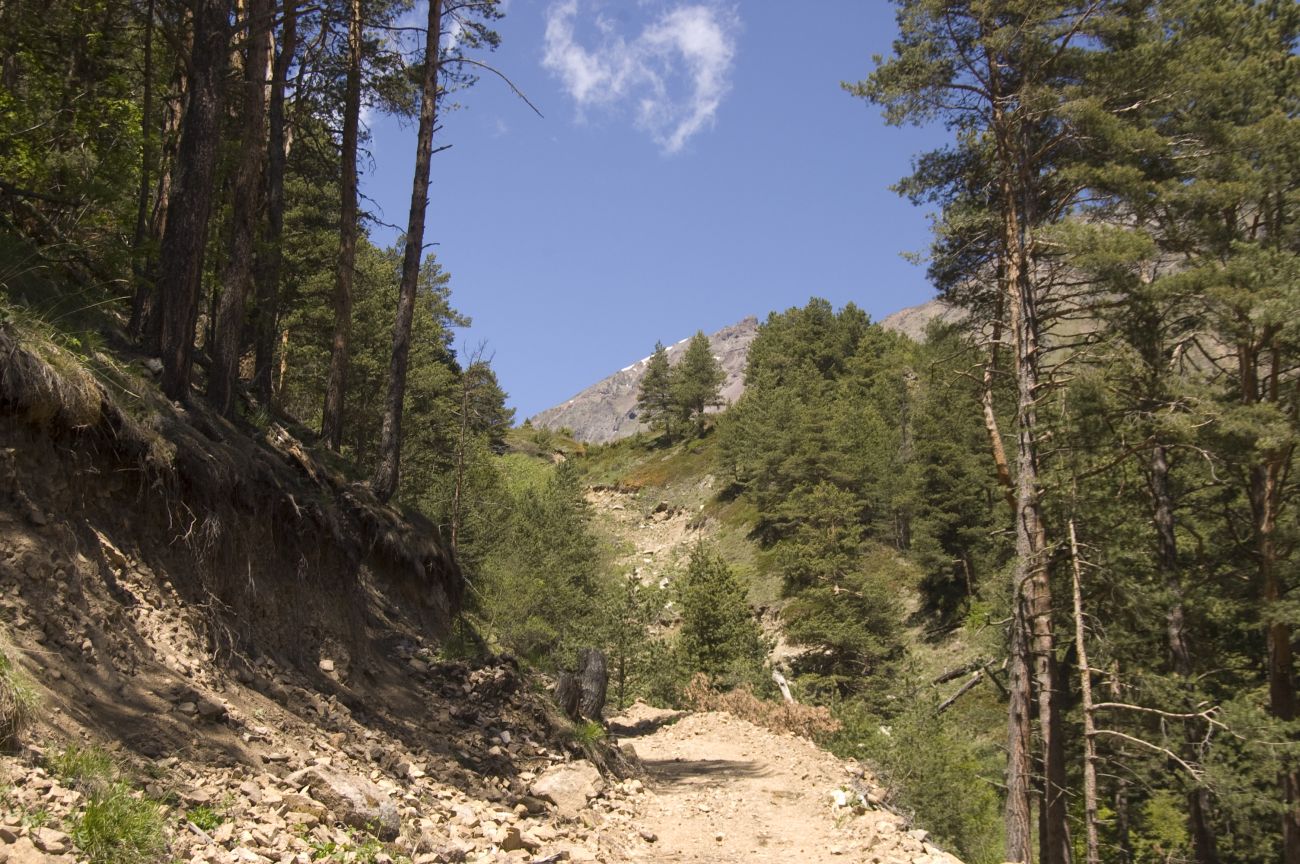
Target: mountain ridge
[{"x": 606, "y": 411}]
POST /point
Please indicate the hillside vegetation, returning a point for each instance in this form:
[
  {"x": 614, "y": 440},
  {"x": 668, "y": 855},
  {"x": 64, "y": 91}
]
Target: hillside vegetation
[{"x": 260, "y": 515}]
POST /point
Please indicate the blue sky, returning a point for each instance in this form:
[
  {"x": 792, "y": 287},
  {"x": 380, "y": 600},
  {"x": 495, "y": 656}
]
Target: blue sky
[{"x": 697, "y": 163}]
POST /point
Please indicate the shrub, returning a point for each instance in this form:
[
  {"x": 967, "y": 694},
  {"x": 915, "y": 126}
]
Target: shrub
[
  {"x": 116, "y": 827},
  {"x": 205, "y": 817},
  {"x": 588, "y": 732},
  {"x": 719, "y": 635},
  {"x": 813, "y": 722},
  {"x": 923, "y": 759}
]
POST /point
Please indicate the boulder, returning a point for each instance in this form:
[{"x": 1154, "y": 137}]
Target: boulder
[
  {"x": 354, "y": 801},
  {"x": 23, "y": 851},
  {"x": 569, "y": 786}
]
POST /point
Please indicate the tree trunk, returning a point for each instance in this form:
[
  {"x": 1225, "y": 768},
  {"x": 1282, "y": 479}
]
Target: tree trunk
[
  {"x": 390, "y": 438},
  {"x": 149, "y": 324},
  {"x": 1265, "y": 495},
  {"x": 181, "y": 257},
  {"x": 991, "y": 418},
  {"x": 331, "y": 427},
  {"x": 593, "y": 679},
  {"x": 1204, "y": 841},
  {"x": 237, "y": 279},
  {"x": 139, "y": 254},
  {"x": 568, "y": 694},
  {"x": 1032, "y": 594},
  {"x": 462, "y": 444},
  {"x": 1092, "y": 845},
  {"x": 271, "y": 262}
]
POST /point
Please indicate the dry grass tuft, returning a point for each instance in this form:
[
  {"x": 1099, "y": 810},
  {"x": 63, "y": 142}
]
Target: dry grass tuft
[
  {"x": 18, "y": 702},
  {"x": 813, "y": 722}
]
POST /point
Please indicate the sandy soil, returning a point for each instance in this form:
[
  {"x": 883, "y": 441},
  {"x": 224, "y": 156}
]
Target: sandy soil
[{"x": 724, "y": 790}]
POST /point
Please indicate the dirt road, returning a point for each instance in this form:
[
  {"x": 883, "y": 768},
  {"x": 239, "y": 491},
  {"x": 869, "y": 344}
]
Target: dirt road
[{"x": 724, "y": 790}]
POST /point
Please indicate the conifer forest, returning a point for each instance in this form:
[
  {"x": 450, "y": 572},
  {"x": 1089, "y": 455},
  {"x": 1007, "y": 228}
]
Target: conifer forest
[{"x": 1041, "y": 567}]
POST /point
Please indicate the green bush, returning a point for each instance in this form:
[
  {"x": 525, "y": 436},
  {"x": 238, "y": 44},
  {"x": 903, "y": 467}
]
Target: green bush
[
  {"x": 719, "y": 635},
  {"x": 205, "y": 817},
  {"x": 933, "y": 769},
  {"x": 116, "y": 827}
]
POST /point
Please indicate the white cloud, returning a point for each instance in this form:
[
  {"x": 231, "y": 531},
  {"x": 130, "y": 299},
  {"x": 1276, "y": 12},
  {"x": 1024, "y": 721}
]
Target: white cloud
[{"x": 676, "y": 71}]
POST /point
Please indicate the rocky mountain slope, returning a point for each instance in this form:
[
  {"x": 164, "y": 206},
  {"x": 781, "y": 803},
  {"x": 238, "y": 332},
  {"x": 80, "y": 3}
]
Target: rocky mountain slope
[
  {"x": 606, "y": 411},
  {"x": 230, "y": 654},
  {"x": 913, "y": 320}
]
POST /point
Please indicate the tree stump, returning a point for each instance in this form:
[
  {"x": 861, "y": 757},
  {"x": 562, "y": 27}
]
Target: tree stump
[
  {"x": 593, "y": 679},
  {"x": 568, "y": 694}
]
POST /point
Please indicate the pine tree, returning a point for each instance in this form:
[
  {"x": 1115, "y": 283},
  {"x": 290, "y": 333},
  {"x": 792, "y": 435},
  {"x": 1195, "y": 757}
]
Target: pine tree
[
  {"x": 183, "y": 243},
  {"x": 996, "y": 73},
  {"x": 697, "y": 380},
  {"x": 655, "y": 400},
  {"x": 719, "y": 635}
]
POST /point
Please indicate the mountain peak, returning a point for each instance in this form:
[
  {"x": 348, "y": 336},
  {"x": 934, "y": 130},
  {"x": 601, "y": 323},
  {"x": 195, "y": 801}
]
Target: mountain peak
[{"x": 606, "y": 411}]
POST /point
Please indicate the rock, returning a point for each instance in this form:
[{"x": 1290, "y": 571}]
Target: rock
[
  {"x": 51, "y": 841},
  {"x": 569, "y": 786},
  {"x": 356, "y": 802},
  {"x": 210, "y": 710},
  {"x": 515, "y": 839},
  {"x": 24, "y": 852},
  {"x": 326, "y": 665},
  {"x": 648, "y": 836}
]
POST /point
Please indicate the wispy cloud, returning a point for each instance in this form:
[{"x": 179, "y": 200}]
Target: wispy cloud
[{"x": 675, "y": 72}]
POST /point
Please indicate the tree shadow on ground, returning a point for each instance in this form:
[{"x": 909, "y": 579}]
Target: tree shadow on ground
[{"x": 686, "y": 770}]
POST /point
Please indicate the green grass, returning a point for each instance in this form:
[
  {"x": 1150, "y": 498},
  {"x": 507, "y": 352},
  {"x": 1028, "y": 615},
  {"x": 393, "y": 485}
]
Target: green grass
[
  {"x": 588, "y": 732},
  {"x": 205, "y": 817},
  {"x": 85, "y": 767},
  {"x": 643, "y": 462},
  {"x": 18, "y": 701},
  {"x": 37, "y": 817},
  {"x": 358, "y": 850},
  {"x": 116, "y": 827}
]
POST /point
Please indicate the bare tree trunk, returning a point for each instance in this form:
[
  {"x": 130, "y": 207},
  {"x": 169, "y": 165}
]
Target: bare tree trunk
[
  {"x": 181, "y": 257},
  {"x": 461, "y": 455},
  {"x": 1093, "y": 847},
  {"x": 139, "y": 255},
  {"x": 272, "y": 261},
  {"x": 229, "y": 326},
  {"x": 991, "y": 418},
  {"x": 390, "y": 438},
  {"x": 593, "y": 679},
  {"x": 149, "y": 325},
  {"x": 1266, "y": 480},
  {"x": 1204, "y": 841},
  {"x": 331, "y": 427},
  {"x": 1032, "y": 635},
  {"x": 284, "y": 364}
]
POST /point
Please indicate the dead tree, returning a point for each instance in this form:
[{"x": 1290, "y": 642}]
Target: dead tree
[{"x": 593, "y": 679}]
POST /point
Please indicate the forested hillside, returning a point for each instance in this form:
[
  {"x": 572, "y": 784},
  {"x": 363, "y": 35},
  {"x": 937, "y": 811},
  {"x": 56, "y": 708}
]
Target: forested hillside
[{"x": 1037, "y": 570}]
